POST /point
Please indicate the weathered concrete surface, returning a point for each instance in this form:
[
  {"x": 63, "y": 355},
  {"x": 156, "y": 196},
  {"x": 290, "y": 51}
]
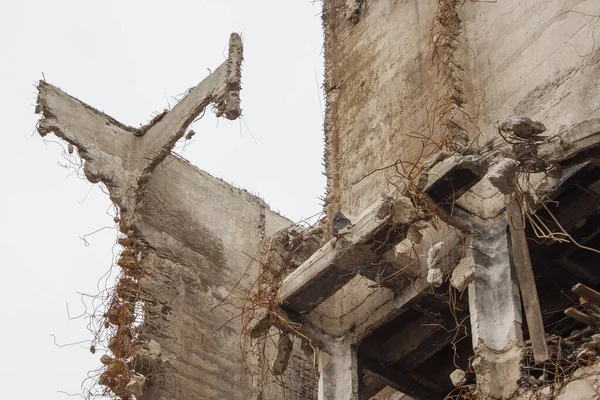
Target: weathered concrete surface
[
  {"x": 188, "y": 237},
  {"x": 376, "y": 85},
  {"x": 507, "y": 65},
  {"x": 338, "y": 372},
  {"x": 199, "y": 228}
]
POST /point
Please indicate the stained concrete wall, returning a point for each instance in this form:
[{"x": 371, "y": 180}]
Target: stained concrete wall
[
  {"x": 376, "y": 78},
  {"x": 201, "y": 231},
  {"x": 532, "y": 57}
]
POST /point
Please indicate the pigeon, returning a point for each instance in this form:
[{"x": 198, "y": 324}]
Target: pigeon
[{"x": 340, "y": 224}]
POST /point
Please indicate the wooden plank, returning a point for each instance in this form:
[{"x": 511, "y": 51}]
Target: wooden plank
[
  {"x": 339, "y": 260},
  {"x": 529, "y": 296},
  {"x": 581, "y": 317},
  {"x": 590, "y": 308},
  {"x": 587, "y": 293}
]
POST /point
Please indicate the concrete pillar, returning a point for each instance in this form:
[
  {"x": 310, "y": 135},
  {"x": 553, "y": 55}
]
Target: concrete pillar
[
  {"x": 495, "y": 309},
  {"x": 338, "y": 371}
]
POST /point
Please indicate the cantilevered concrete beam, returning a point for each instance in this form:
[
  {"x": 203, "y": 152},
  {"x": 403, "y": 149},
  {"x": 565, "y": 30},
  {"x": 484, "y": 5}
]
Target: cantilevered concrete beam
[
  {"x": 574, "y": 145},
  {"x": 333, "y": 265}
]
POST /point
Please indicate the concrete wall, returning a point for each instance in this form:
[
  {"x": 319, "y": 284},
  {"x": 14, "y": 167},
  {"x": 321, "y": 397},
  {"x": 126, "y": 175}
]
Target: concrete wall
[
  {"x": 532, "y": 57},
  {"x": 376, "y": 78},
  {"x": 198, "y": 228}
]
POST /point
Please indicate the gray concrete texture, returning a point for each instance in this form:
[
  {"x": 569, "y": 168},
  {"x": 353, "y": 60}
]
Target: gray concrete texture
[{"x": 508, "y": 64}]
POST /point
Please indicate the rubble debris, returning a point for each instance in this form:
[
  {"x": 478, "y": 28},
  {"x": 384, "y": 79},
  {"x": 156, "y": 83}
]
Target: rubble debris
[
  {"x": 403, "y": 211},
  {"x": 435, "y": 277},
  {"x": 414, "y": 234},
  {"x": 463, "y": 274},
  {"x": 458, "y": 377},
  {"x": 521, "y": 126}
]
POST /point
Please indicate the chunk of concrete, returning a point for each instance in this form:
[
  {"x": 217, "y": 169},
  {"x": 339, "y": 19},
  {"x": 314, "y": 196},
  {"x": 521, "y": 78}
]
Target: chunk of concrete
[
  {"x": 458, "y": 377},
  {"x": 433, "y": 255},
  {"x": 403, "y": 211},
  {"x": 578, "y": 390},
  {"x": 521, "y": 126},
  {"x": 284, "y": 351},
  {"x": 414, "y": 234},
  {"x": 463, "y": 274},
  {"x": 435, "y": 277},
  {"x": 503, "y": 175}
]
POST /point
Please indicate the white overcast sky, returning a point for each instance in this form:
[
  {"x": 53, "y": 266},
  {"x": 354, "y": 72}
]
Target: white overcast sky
[{"x": 126, "y": 58}]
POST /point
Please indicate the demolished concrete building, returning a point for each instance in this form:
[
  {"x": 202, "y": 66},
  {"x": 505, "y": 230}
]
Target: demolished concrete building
[{"x": 462, "y": 142}]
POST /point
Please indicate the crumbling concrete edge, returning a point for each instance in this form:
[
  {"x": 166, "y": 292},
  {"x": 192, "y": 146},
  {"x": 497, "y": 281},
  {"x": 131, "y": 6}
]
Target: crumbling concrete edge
[{"x": 123, "y": 158}]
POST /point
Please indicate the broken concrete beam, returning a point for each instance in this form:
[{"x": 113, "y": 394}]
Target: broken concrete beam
[
  {"x": 284, "y": 351},
  {"x": 409, "y": 282},
  {"x": 220, "y": 87},
  {"x": 336, "y": 263},
  {"x": 450, "y": 177},
  {"x": 579, "y": 143},
  {"x": 123, "y": 157},
  {"x": 263, "y": 320}
]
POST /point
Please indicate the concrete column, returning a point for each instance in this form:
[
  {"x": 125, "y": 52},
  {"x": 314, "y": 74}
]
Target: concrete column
[
  {"x": 338, "y": 371},
  {"x": 495, "y": 309}
]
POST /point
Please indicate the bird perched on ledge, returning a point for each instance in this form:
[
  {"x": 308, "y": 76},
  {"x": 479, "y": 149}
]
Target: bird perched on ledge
[{"x": 341, "y": 225}]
